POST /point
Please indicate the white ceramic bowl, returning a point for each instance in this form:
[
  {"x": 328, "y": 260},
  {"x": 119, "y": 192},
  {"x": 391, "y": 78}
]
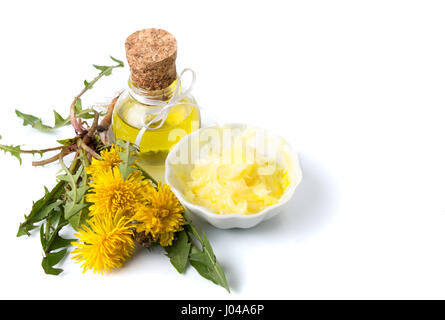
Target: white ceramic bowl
[{"x": 180, "y": 161}]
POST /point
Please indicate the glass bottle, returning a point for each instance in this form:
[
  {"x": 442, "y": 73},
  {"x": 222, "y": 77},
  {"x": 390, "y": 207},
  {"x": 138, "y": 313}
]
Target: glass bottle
[
  {"x": 133, "y": 111},
  {"x": 140, "y": 115}
]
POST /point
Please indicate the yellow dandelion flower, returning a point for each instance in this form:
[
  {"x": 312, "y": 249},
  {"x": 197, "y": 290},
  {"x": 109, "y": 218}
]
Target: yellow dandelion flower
[
  {"x": 110, "y": 160},
  {"x": 110, "y": 193},
  {"x": 105, "y": 244},
  {"x": 162, "y": 216}
]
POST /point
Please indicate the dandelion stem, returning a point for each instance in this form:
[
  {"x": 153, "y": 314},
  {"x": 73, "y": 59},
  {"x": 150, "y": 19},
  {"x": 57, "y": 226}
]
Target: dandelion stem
[
  {"x": 42, "y": 151},
  {"x": 62, "y": 154}
]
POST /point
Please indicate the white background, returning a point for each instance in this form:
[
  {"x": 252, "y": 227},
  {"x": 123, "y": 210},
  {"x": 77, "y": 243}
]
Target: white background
[{"x": 357, "y": 87}]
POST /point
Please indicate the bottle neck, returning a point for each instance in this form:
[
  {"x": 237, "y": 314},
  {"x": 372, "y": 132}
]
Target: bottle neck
[{"x": 144, "y": 96}]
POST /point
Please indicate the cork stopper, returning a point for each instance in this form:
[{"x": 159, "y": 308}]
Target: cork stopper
[{"x": 151, "y": 55}]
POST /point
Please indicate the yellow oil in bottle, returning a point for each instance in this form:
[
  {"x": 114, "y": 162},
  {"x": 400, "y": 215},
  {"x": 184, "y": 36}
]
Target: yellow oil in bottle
[
  {"x": 182, "y": 120},
  {"x": 130, "y": 116}
]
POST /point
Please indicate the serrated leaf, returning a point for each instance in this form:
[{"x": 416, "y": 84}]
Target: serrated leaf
[
  {"x": 50, "y": 270},
  {"x": 78, "y": 105},
  {"x": 147, "y": 176},
  {"x": 179, "y": 251},
  {"x": 70, "y": 178},
  {"x": 54, "y": 218},
  {"x": 59, "y": 121},
  {"x": 79, "y": 112},
  {"x": 101, "y": 68},
  {"x": 79, "y": 218},
  {"x": 13, "y": 150},
  {"x": 80, "y": 192},
  {"x": 51, "y": 260},
  {"x": 87, "y": 116},
  {"x": 55, "y": 257},
  {"x": 128, "y": 158},
  {"x": 204, "y": 261},
  {"x": 106, "y": 70},
  {"x": 33, "y": 121},
  {"x": 42, "y": 214},
  {"x": 67, "y": 142},
  {"x": 71, "y": 210},
  {"x": 36, "y": 123},
  {"x": 126, "y": 170},
  {"x": 60, "y": 242},
  {"x": 120, "y": 63},
  {"x": 208, "y": 267},
  {"x": 39, "y": 209},
  {"x": 16, "y": 151},
  {"x": 74, "y": 207},
  {"x": 52, "y": 241},
  {"x": 25, "y": 229},
  {"x": 203, "y": 268}
]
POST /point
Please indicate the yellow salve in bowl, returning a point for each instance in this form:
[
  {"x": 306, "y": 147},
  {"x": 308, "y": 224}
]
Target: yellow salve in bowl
[
  {"x": 236, "y": 186},
  {"x": 234, "y": 176}
]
